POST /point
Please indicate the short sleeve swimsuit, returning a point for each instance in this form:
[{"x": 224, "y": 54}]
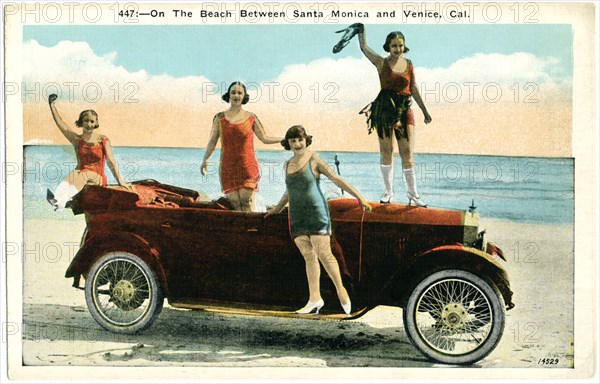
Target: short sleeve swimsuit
[
  {"x": 309, "y": 212},
  {"x": 92, "y": 157},
  {"x": 239, "y": 167}
]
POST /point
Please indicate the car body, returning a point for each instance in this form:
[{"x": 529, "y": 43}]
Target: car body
[{"x": 174, "y": 243}]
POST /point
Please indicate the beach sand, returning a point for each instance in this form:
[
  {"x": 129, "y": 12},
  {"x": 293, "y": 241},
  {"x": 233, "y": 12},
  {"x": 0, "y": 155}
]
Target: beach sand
[{"x": 58, "y": 329}]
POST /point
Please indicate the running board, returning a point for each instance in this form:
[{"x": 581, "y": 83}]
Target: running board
[{"x": 271, "y": 313}]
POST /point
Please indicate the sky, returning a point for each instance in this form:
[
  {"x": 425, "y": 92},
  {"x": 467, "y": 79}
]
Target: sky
[
  {"x": 215, "y": 51},
  {"x": 506, "y": 84}
]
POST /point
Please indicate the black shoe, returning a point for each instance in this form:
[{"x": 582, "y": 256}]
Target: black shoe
[
  {"x": 349, "y": 33},
  {"x": 51, "y": 199}
]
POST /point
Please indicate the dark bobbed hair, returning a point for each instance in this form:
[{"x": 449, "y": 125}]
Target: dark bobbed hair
[
  {"x": 246, "y": 98},
  {"x": 391, "y": 36},
  {"x": 295, "y": 132},
  {"x": 79, "y": 121}
]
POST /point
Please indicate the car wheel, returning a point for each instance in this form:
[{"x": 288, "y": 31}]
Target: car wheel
[
  {"x": 455, "y": 317},
  {"x": 122, "y": 293}
]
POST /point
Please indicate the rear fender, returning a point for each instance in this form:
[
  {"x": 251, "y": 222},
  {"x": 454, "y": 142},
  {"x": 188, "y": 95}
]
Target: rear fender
[
  {"x": 445, "y": 257},
  {"x": 102, "y": 243}
]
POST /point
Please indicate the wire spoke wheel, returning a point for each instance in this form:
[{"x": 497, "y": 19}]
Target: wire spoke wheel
[
  {"x": 122, "y": 293},
  {"x": 455, "y": 317}
]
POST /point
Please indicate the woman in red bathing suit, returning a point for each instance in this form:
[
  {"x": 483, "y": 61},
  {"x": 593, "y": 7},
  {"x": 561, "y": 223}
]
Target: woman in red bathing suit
[
  {"x": 236, "y": 128},
  {"x": 93, "y": 151},
  {"x": 391, "y": 111}
]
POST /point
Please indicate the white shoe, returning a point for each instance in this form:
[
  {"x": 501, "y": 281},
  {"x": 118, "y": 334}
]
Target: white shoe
[
  {"x": 311, "y": 306},
  {"x": 386, "y": 198},
  {"x": 416, "y": 199},
  {"x": 387, "y": 171},
  {"x": 347, "y": 307}
]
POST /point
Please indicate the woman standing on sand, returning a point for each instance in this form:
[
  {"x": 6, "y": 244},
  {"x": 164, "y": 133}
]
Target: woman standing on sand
[{"x": 236, "y": 128}]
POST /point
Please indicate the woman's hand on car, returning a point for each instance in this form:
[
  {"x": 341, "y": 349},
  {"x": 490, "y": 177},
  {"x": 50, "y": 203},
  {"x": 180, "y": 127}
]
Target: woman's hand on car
[{"x": 366, "y": 207}]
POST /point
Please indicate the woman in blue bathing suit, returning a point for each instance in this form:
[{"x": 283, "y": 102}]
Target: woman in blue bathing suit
[{"x": 309, "y": 215}]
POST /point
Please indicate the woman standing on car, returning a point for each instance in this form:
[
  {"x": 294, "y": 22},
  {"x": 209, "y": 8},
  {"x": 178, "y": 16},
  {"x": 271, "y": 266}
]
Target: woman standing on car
[
  {"x": 93, "y": 151},
  {"x": 236, "y": 128},
  {"x": 310, "y": 222},
  {"x": 391, "y": 112}
]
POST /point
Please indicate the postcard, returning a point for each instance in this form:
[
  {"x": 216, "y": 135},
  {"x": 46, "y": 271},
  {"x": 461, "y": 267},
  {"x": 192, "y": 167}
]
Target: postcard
[{"x": 303, "y": 191}]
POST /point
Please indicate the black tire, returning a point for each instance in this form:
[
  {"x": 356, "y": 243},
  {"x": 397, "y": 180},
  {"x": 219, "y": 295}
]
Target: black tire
[
  {"x": 455, "y": 317},
  {"x": 122, "y": 293}
]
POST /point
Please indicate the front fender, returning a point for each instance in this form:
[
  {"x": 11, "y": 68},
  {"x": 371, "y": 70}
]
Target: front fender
[
  {"x": 102, "y": 243},
  {"x": 450, "y": 257},
  {"x": 461, "y": 251}
]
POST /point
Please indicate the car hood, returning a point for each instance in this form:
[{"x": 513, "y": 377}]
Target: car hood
[{"x": 350, "y": 210}]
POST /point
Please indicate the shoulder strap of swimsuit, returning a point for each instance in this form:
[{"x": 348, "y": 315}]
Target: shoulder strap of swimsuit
[{"x": 103, "y": 144}]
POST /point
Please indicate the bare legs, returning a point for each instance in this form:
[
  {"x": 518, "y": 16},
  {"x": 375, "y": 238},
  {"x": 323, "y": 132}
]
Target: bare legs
[
  {"x": 314, "y": 249},
  {"x": 243, "y": 200},
  {"x": 405, "y": 149}
]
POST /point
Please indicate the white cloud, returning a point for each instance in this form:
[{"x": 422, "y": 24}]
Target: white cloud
[
  {"x": 71, "y": 61},
  {"x": 345, "y": 82},
  {"x": 73, "y": 70},
  {"x": 39, "y": 142},
  {"x": 496, "y": 67},
  {"x": 481, "y": 78},
  {"x": 326, "y": 84}
]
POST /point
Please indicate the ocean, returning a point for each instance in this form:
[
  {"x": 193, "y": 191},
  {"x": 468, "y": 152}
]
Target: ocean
[{"x": 524, "y": 189}]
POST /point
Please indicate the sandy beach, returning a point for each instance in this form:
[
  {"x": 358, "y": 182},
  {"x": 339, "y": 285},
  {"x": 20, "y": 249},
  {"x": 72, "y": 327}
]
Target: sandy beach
[{"x": 59, "y": 331}]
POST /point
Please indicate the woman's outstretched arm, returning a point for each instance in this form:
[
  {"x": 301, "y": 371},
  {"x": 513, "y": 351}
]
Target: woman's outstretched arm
[
  {"x": 215, "y": 133},
  {"x": 325, "y": 169},
  {"x": 71, "y": 135},
  {"x": 260, "y": 132},
  {"x": 277, "y": 208},
  {"x": 367, "y": 51},
  {"x": 414, "y": 90},
  {"x": 112, "y": 165}
]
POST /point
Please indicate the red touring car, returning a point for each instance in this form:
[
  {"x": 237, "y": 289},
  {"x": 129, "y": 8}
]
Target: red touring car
[{"x": 174, "y": 243}]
